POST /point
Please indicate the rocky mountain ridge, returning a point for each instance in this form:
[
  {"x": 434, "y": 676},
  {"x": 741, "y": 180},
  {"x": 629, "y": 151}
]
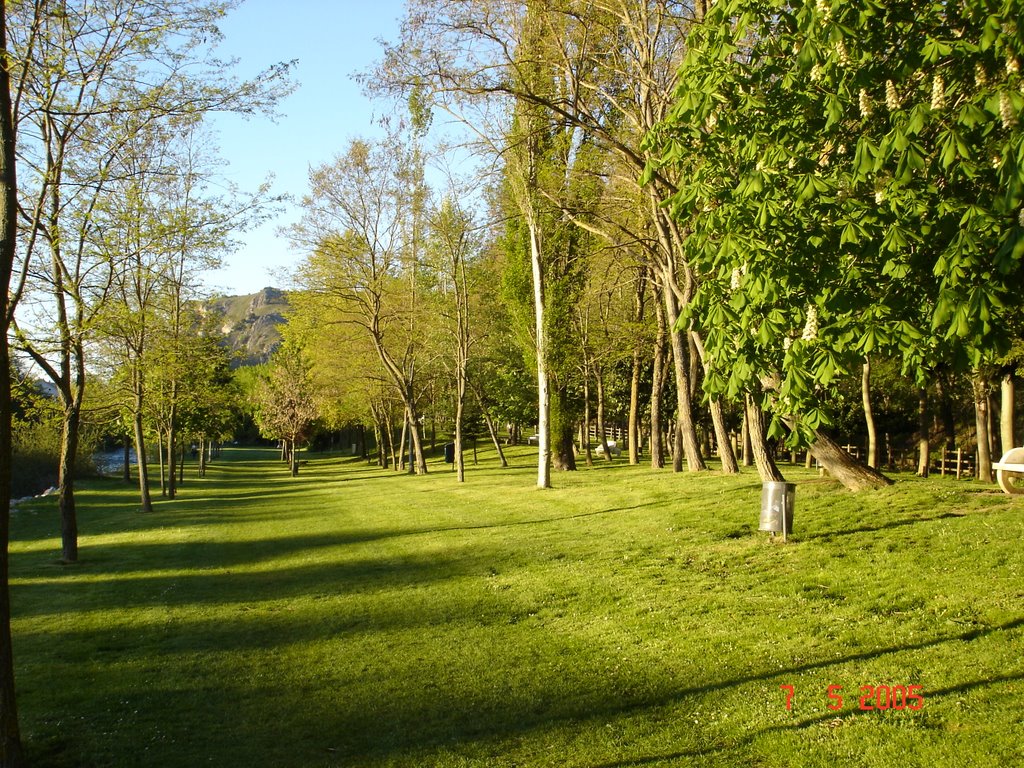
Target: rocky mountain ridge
[{"x": 251, "y": 323}]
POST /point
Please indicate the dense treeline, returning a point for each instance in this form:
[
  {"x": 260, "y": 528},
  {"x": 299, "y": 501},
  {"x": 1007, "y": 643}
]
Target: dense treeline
[{"x": 710, "y": 227}]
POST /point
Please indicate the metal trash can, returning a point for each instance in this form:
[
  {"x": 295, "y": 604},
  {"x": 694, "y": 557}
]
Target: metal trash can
[
  {"x": 449, "y": 453},
  {"x": 777, "y": 502}
]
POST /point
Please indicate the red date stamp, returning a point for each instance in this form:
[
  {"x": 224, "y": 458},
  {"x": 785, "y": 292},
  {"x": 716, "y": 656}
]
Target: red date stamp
[{"x": 872, "y": 697}]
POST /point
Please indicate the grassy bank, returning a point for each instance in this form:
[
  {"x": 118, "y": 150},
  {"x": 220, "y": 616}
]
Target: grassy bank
[{"x": 352, "y": 617}]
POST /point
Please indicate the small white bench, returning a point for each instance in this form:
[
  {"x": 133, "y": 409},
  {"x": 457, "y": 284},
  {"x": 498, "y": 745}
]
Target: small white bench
[{"x": 1010, "y": 471}]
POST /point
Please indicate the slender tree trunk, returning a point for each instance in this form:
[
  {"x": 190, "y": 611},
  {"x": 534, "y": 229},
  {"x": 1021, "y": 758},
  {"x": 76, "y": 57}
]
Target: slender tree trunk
[
  {"x": 493, "y": 432},
  {"x": 543, "y": 377},
  {"x": 748, "y": 455},
  {"x": 202, "y": 456},
  {"x": 420, "y": 462},
  {"x": 403, "y": 442},
  {"x": 599, "y": 377},
  {"x": 1007, "y": 413},
  {"x": 585, "y": 427},
  {"x": 563, "y": 449},
  {"x": 293, "y": 457},
  {"x": 161, "y": 463},
  {"x": 11, "y": 754},
  {"x": 633, "y": 436},
  {"x": 460, "y": 464},
  {"x": 66, "y": 483},
  {"x": 981, "y": 422},
  {"x": 923, "y": 429},
  {"x": 869, "y": 414},
  {"x": 145, "y": 501},
  {"x": 843, "y": 467},
  {"x": 387, "y": 444},
  {"x": 658, "y": 376},
  {"x": 492, "y": 428},
  {"x": 172, "y": 440},
  {"x": 639, "y": 304},
  {"x": 763, "y": 459},
  {"x": 725, "y": 449},
  {"x": 172, "y": 459},
  {"x": 685, "y": 428}
]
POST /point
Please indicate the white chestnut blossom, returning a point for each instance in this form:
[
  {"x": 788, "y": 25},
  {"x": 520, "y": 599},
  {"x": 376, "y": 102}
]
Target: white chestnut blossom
[
  {"x": 938, "y": 92},
  {"x": 892, "y": 99},
  {"x": 864, "y": 102},
  {"x": 1006, "y": 111},
  {"x": 810, "y": 324}
]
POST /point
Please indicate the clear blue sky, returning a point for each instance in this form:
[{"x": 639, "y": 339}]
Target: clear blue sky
[{"x": 332, "y": 39}]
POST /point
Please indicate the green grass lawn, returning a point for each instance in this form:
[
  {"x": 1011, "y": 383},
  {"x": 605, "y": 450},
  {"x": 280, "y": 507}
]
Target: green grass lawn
[{"x": 355, "y": 617}]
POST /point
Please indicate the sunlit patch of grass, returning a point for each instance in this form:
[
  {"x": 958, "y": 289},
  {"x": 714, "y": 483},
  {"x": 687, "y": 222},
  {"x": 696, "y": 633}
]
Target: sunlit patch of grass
[{"x": 626, "y": 617}]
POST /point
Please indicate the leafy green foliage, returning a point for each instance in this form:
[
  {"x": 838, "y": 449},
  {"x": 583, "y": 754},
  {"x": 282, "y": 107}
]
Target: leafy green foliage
[{"x": 852, "y": 183}]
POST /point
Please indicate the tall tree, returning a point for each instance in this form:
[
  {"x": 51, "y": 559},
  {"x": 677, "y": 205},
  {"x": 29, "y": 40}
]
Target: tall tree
[
  {"x": 453, "y": 246},
  {"x": 356, "y": 232},
  {"x": 11, "y": 754},
  {"x": 285, "y": 407}
]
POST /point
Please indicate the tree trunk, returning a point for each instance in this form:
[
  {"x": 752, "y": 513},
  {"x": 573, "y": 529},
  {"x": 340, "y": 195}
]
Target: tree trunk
[
  {"x": 658, "y": 375},
  {"x": 923, "y": 428},
  {"x": 543, "y": 378},
  {"x": 493, "y": 432},
  {"x": 11, "y": 754},
  {"x": 843, "y": 467},
  {"x": 1007, "y": 413},
  {"x": 145, "y": 501},
  {"x": 293, "y": 457},
  {"x": 725, "y": 449},
  {"x": 748, "y": 456},
  {"x": 602, "y": 435},
  {"x": 160, "y": 463},
  {"x": 202, "y": 456},
  {"x": 402, "y": 461},
  {"x": 492, "y": 428},
  {"x": 981, "y": 424},
  {"x": 685, "y": 428},
  {"x": 633, "y": 437},
  {"x": 585, "y": 428},
  {"x": 563, "y": 449},
  {"x": 766, "y": 466},
  {"x": 460, "y": 398},
  {"x": 869, "y": 415},
  {"x": 66, "y": 484},
  {"x": 172, "y": 460},
  {"x": 639, "y": 304},
  {"x": 419, "y": 462}
]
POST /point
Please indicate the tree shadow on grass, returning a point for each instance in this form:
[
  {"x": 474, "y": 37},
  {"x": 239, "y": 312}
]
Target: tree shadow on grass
[
  {"x": 832, "y": 535},
  {"x": 409, "y": 714}
]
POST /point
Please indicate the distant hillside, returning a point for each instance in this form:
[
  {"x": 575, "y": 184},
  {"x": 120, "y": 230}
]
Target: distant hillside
[{"x": 251, "y": 323}]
